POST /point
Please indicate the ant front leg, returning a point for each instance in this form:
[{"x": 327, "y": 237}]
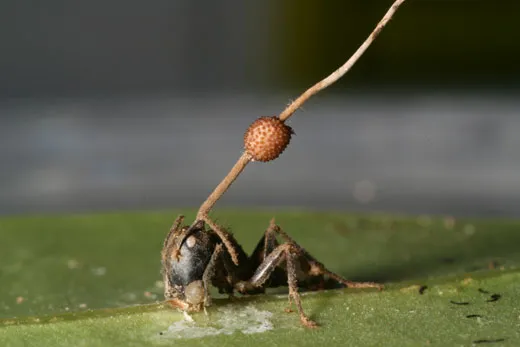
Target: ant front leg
[{"x": 209, "y": 274}]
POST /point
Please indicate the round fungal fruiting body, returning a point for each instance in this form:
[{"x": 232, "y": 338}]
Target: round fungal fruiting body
[{"x": 267, "y": 138}]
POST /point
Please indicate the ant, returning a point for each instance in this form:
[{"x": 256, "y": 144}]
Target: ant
[{"x": 194, "y": 258}]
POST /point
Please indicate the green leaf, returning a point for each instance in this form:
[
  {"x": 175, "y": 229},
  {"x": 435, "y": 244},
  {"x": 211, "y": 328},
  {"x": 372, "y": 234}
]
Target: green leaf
[{"x": 93, "y": 280}]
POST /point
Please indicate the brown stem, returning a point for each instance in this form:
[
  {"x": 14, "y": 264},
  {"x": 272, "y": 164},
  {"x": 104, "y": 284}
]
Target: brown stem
[
  {"x": 239, "y": 166},
  {"x": 289, "y": 111},
  {"x": 336, "y": 75}
]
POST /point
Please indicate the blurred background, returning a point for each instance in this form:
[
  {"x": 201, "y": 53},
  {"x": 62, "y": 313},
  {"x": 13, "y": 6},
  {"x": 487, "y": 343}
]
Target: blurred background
[{"x": 109, "y": 105}]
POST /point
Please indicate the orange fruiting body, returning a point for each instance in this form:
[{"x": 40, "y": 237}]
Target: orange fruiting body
[{"x": 267, "y": 138}]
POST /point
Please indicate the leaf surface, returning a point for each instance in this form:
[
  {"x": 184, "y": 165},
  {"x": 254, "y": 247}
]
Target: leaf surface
[{"x": 94, "y": 280}]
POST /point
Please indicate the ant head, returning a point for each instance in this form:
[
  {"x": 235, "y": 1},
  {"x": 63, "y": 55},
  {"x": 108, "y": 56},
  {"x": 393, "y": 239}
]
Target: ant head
[{"x": 185, "y": 256}]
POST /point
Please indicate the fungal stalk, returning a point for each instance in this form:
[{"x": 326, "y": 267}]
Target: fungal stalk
[{"x": 267, "y": 137}]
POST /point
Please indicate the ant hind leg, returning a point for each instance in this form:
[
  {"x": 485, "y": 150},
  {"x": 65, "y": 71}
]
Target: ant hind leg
[{"x": 317, "y": 268}]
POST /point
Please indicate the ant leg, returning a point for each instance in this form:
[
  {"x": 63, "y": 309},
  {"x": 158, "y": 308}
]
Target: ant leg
[
  {"x": 209, "y": 273},
  {"x": 290, "y": 253},
  {"x": 263, "y": 271},
  {"x": 293, "y": 289},
  {"x": 264, "y": 247},
  {"x": 317, "y": 268},
  {"x": 228, "y": 240}
]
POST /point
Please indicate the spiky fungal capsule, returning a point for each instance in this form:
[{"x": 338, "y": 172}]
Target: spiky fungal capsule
[{"x": 267, "y": 138}]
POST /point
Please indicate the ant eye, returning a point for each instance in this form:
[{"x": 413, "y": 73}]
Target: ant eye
[{"x": 190, "y": 241}]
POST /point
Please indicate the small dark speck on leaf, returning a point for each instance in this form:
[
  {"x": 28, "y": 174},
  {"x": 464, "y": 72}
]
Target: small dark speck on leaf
[
  {"x": 489, "y": 340},
  {"x": 459, "y": 303},
  {"x": 474, "y": 316},
  {"x": 160, "y": 332},
  {"x": 494, "y": 297},
  {"x": 422, "y": 289},
  {"x": 483, "y": 291}
]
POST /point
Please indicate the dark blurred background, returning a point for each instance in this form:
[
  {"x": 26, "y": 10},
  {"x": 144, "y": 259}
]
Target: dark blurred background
[{"x": 112, "y": 104}]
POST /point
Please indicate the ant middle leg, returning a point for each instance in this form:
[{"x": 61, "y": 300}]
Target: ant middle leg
[
  {"x": 269, "y": 259},
  {"x": 289, "y": 253}
]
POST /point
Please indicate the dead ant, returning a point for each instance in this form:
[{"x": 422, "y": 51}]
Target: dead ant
[{"x": 194, "y": 258}]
